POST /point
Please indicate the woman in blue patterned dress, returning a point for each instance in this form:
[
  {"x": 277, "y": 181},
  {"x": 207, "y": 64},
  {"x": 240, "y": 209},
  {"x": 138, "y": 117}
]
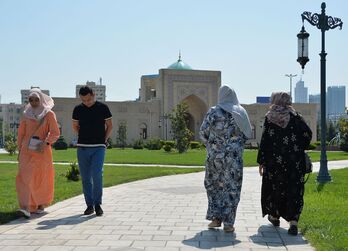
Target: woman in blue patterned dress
[
  {"x": 281, "y": 157},
  {"x": 224, "y": 131}
]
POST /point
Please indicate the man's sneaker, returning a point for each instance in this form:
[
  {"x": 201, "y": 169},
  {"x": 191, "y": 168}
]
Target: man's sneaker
[
  {"x": 98, "y": 210},
  {"x": 23, "y": 213},
  {"x": 89, "y": 210}
]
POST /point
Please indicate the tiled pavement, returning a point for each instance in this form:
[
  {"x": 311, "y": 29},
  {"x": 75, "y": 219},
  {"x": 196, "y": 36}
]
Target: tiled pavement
[{"x": 164, "y": 213}]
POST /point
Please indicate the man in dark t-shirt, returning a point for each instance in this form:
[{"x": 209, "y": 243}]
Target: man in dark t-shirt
[{"x": 92, "y": 121}]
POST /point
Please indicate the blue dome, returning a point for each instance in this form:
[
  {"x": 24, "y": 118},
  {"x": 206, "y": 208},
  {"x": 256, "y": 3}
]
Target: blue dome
[{"x": 179, "y": 65}]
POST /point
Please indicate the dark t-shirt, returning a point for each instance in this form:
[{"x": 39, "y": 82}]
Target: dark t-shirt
[{"x": 92, "y": 123}]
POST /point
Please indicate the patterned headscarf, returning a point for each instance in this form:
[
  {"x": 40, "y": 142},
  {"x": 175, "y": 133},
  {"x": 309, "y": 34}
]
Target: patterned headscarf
[
  {"x": 228, "y": 101},
  {"x": 280, "y": 109},
  {"x": 46, "y": 104}
]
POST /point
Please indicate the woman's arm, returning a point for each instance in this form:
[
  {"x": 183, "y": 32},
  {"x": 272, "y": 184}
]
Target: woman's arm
[
  {"x": 53, "y": 129},
  {"x": 204, "y": 131}
]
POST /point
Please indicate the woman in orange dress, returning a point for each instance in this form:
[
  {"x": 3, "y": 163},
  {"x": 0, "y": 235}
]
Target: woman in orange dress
[{"x": 35, "y": 178}]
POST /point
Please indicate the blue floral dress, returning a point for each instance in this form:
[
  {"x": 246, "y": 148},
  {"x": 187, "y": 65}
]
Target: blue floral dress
[{"x": 224, "y": 164}]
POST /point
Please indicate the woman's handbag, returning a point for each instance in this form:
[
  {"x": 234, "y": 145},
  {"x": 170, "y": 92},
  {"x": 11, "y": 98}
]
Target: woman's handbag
[
  {"x": 308, "y": 166},
  {"x": 35, "y": 143},
  {"x": 308, "y": 163}
]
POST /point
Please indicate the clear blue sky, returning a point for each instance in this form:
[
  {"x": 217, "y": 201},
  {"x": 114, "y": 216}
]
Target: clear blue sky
[{"x": 60, "y": 43}]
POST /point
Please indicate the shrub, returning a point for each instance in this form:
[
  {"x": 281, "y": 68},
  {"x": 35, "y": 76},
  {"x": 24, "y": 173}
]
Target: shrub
[
  {"x": 195, "y": 145},
  {"x": 343, "y": 126},
  {"x": 317, "y": 143},
  {"x": 311, "y": 146},
  {"x": 60, "y": 144},
  {"x": 73, "y": 172},
  {"x": 344, "y": 143},
  {"x": 10, "y": 144},
  {"x": 169, "y": 142},
  {"x": 153, "y": 144},
  {"x": 138, "y": 144},
  {"x": 167, "y": 148},
  {"x": 121, "y": 140}
]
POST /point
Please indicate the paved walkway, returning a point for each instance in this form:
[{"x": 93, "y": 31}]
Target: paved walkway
[{"x": 164, "y": 214}]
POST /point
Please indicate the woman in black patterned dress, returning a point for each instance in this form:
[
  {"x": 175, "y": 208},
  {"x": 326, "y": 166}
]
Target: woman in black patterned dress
[{"x": 281, "y": 161}]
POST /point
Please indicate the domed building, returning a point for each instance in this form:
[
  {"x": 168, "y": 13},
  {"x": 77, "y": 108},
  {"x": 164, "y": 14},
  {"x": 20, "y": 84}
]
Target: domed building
[
  {"x": 180, "y": 83},
  {"x": 159, "y": 94},
  {"x": 179, "y": 65}
]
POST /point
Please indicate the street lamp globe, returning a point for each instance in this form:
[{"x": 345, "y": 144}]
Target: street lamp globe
[{"x": 302, "y": 45}]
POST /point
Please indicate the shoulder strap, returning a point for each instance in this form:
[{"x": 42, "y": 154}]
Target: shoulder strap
[
  {"x": 40, "y": 124},
  {"x": 307, "y": 178}
]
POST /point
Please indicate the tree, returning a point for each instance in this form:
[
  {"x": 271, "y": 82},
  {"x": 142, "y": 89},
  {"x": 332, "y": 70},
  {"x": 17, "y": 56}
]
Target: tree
[
  {"x": 343, "y": 130},
  {"x": 122, "y": 135},
  {"x": 181, "y": 133},
  {"x": 10, "y": 144},
  {"x": 331, "y": 131}
]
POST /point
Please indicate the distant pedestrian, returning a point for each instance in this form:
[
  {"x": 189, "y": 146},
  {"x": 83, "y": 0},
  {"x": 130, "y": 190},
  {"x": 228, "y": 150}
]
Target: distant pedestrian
[
  {"x": 92, "y": 121},
  {"x": 224, "y": 130},
  {"x": 37, "y": 131},
  {"x": 282, "y": 165}
]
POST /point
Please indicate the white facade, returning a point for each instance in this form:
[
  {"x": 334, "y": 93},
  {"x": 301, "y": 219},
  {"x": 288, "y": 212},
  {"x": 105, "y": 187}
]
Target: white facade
[
  {"x": 301, "y": 93},
  {"x": 25, "y": 94},
  {"x": 159, "y": 94},
  {"x": 147, "y": 117},
  {"x": 10, "y": 115}
]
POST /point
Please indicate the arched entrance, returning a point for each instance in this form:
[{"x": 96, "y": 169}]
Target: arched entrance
[{"x": 196, "y": 112}]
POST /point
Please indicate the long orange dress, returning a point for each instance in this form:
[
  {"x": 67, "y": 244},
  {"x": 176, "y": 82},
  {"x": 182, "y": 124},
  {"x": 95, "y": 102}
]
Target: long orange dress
[{"x": 35, "y": 178}]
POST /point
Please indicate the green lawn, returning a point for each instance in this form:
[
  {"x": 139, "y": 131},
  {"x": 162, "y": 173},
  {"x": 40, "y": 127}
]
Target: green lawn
[
  {"x": 66, "y": 189},
  {"x": 192, "y": 157},
  {"x": 324, "y": 220}
]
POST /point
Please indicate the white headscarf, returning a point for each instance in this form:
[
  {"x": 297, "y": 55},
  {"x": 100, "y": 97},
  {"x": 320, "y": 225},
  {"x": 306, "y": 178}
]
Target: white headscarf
[
  {"x": 46, "y": 104},
  {"x": 228, "y": 101}
]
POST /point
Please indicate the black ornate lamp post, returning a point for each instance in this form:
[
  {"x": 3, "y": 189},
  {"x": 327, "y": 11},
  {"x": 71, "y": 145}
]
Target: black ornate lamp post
[{"x": 323, "y": 23}]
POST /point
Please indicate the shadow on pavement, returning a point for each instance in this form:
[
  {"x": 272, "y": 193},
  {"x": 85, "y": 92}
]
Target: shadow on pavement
[
  {"x": 273, "y": 237},
  {"x": 214, "y": 238},
  {"x": 71, "y": 220}
]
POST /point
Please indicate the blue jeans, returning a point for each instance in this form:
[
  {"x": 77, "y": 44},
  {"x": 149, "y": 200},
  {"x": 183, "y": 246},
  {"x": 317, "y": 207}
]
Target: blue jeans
[{"x": 91, "y": 161}]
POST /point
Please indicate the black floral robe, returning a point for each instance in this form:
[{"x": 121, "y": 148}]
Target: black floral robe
[{"x": 281, "y": 152}]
